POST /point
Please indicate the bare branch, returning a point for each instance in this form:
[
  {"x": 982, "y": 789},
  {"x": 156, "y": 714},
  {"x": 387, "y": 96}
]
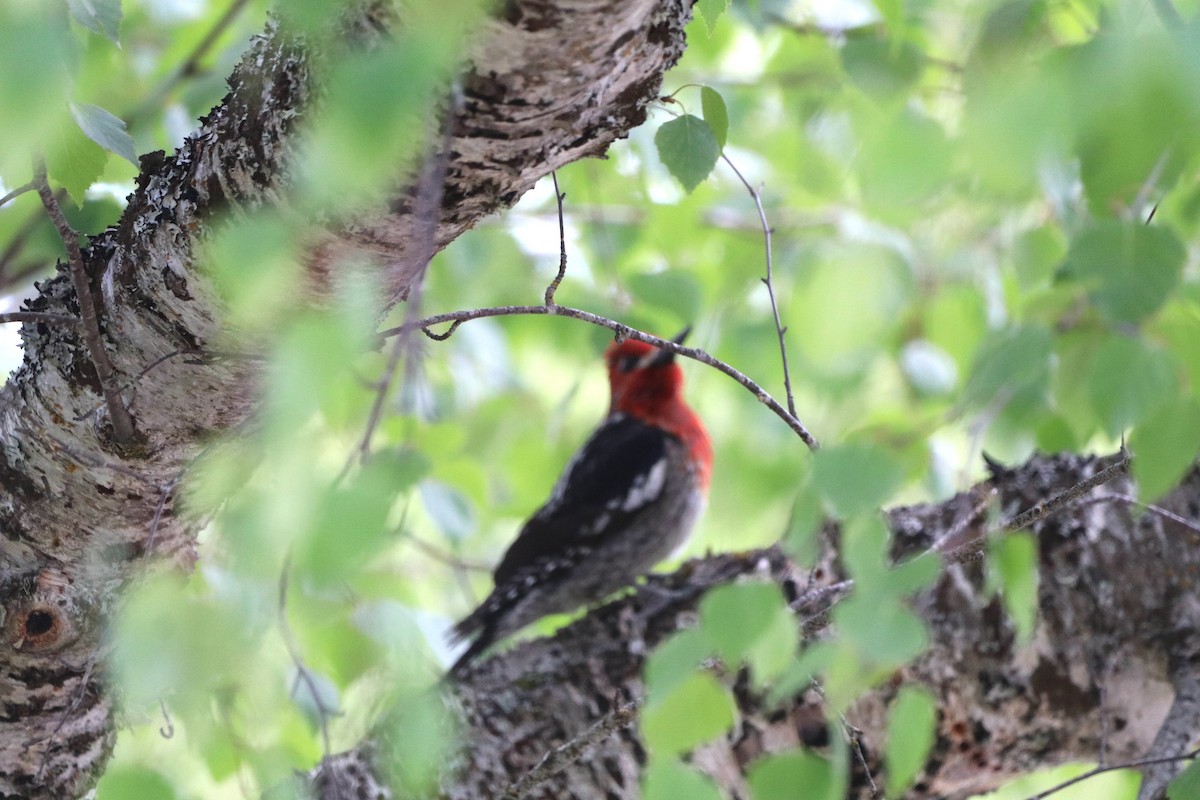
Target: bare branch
[
  {"x": 17, "y": 192},
  {"x": 456, "y": 318},
  {"x": 38, "y": 316},
  {"x": 569, "y": 752},
  {"x": 562, "y": 244},
  {"x": 769, "y": 281},
  {"x": 121, "y": 421},
  {"x": 1145, "y": 762},
  {"x": 1060, "y": 500}
]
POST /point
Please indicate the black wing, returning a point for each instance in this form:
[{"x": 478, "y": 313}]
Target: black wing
[{"x": 620, "y": 469}]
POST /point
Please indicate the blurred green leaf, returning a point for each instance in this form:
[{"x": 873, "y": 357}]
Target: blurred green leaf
[
  {"x": 673, "y": 289},
  {"x": 1013, "y": 559},
  {"x": 695, "y": 711},
  {"x": 911, "y": 727},
  {"x": 667, "y": 779},
  {"x": 1010, "y": 361},
  {"x": 779, "y": 777},
  {"x": 688, "y": 148},
  {"x": 750, "y": 623},
  {"x": 1165, "y": 446},
  {"x": 855, "y": 478},
  {"x": 676, "y": 660},
  {"x": 879, "y": 67},
  {"x": 1185, "y": 785},
  {"x": 1128, "y": 268},
  {"x": 130, "y": 781},
  {"x": 1129, "y": 380},
  {"x": 98, "y": 16}
]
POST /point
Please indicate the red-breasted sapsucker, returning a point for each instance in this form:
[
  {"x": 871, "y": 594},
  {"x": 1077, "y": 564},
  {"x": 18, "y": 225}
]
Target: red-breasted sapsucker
[{"x": 625, "y": 501}]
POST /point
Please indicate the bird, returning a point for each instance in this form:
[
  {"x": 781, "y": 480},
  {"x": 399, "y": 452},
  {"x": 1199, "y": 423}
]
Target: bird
[{"x": 625, "y": 501}]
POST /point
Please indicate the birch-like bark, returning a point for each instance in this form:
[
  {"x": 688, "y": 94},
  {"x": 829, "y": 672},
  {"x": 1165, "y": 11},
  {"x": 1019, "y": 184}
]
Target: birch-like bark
[{"x": 80, "y": 516}]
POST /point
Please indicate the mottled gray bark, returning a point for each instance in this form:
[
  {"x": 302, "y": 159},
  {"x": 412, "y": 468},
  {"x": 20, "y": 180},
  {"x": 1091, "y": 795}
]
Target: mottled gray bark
[
  {"x": 548, "y": 82},
  {"x": 1117, "y": 608}
]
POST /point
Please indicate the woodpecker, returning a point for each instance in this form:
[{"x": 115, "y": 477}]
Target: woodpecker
[{"x": 625, "y": 501}]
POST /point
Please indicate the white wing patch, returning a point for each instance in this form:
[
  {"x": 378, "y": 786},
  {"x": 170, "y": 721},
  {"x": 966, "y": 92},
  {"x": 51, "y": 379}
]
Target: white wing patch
[{"x": 646, "y": 487}]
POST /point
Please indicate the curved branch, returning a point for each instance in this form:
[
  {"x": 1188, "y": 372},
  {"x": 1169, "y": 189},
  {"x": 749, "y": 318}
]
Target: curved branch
[{"x": 622, "y": 331}]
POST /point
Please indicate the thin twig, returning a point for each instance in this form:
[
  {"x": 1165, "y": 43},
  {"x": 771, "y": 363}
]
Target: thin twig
[
  {"x": 960, "y": 525},
  {"x": 121, "y": 421},
  {"x": 1150, "y": 508},
  {"x": 17, "y": 192},
  {"x": 164, "y": 492},
  {"x": 136, "y": 379},
  {"x": 167, "y": 731},
  {"x": 562, "y": 243},
  {"x": 88, "y": 460},
  {"x": 426, "y": 212},
  {"x": 444, "y": 556},
  {"x": 1145, "y": 762},
  {"x": 302, "y": 672},
  {"x": 1058, "y": 501},
  {"x": 38, "y": 316},
  {"x": 569, "y": 752},
  {"x": 622, "y": 331},
  {"x": 769, "y": 281}
]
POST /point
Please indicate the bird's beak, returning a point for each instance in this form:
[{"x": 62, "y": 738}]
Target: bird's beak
[{"x": 661, "y": 358}]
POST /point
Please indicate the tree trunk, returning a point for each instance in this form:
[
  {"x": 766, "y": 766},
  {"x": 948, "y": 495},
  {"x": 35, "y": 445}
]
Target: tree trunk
[{"x": 80, "y": 516}]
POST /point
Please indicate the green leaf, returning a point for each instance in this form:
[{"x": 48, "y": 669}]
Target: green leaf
[
  {"x": 1013, "y": 557},
  {"x": 886, "y": 633},
  {"x": 105, "y": 129},
  {"x": 778, "y": 777},
  {"x": 98, "y": 16},
  {"x": 667, "y": 779},
  {"x": 1129, "y": 380},
  {"x": 696, "y": 711},
  {"x": 1165, "y": 446},
  {"x": 855, "y": 478},
  {"x": 122, "y": 782},
  {"x": 1186, "y": 785},
  {"x": 715, "y": 113},
  {"x": 74, "y": 161},
  {"x": 673, "y": 289},
  {"x": 750, "y": 623},
  {"x": 1128, "y": 268},
  {"x": 911, "y": 727},
  {"x": 1007, "y": 363},
  {"x": 711, "y": 11},
  {"x": 688, "y": 148},
  {"x": 880, "y": 67},
  {"x": 675, "y": 661}
]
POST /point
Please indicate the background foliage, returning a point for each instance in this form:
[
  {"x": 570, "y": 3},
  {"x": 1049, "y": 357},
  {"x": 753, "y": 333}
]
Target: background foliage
[{"x": 983, "y": 217}]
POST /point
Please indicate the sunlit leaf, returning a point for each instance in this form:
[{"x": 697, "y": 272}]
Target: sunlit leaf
[
  {"x": 105, "y": 129},
  {"x": 667, "y": 779},
  {"x": 911, "y": 727},
  {"x": 711, "y": 11},
  {"x": 695, "y": 711},
  {"x": 777, "y": 777},
  {"x": 1013, "y": 557}
]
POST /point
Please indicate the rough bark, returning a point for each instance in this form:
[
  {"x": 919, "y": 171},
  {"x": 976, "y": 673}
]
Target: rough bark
[
  {"x": 547, "y": 83},
  {"x": 1116, "y": 633}
]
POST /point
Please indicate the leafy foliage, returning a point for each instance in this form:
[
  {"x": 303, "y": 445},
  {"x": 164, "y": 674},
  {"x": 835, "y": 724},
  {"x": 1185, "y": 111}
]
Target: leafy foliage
[{"x": 982, "y": 219}]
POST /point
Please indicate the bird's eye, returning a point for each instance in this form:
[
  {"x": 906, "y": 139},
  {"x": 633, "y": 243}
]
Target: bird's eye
[{"x": 628, "y": 363}]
